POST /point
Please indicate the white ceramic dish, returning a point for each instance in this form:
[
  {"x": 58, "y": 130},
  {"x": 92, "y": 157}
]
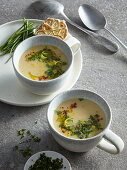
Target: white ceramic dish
[
  {"x": 11, "y": 91},
  {"x": 43, "y": 87},
  {"x": 113, "y": 143},
  {"x": 52, "y": 154}
]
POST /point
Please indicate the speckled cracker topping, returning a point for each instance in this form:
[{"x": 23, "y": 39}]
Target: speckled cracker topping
[{"x": 54, "y": 27}]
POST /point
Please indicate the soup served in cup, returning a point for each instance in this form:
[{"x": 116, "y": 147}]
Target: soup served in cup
[
  {"x": 79, "y": 118},
  {"x": 43, "y": 62}
]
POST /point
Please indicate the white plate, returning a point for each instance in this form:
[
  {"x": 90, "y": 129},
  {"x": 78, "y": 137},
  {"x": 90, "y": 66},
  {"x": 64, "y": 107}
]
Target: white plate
[
  {"x": 52, "y": 154},
  {"x": 11, "y": 91}
]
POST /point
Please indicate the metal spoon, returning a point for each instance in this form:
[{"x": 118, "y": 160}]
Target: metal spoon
[
  {"x": 94, "y": 20},
  {"x": 53, "y": 7}
]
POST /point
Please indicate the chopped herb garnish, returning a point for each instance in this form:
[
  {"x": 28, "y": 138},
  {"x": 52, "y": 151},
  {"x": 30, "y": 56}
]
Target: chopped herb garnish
[
  {"x": 47, "y": 163},
  {"x": 53, "y": 62},
  {"x": 15, "y": 148},
  {"x": 28, "y": 132},
  {"x": 31, "y": 137},
  {"x": 58, "y": 112},
  {"x": 35, "y": 122},
  {"x": 82, "y": 129},
  {"x": 36, "y": 139},
  {"x": 81, "y": 99},
  {"x": 21, "y": 133},
  {"x": 96, "y": 115},
  {"x": 26, "y": 152}
]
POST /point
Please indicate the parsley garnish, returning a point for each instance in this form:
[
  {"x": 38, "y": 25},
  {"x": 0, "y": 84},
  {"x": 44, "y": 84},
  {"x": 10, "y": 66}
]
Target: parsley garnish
[
  {"x": 30, "y": 137},
  {"x": 82, "y": 129},
  {"x": 46, "y": 163},
  {"x": 26, "y": 152},
  {"x": 53, "y": 63},
  {"x": 80, "y": 99}
]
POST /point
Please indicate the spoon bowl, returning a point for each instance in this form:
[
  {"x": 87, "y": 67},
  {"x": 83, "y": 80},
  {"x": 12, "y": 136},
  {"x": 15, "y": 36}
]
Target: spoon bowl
[
  {"x": 95, "y": 20},
  {"x": 51, "y": 7},
  {"x": 91, "y": 17}
]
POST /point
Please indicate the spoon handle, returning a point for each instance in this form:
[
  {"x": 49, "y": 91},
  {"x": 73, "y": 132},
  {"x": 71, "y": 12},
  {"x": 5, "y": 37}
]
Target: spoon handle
[
  {"x": 125, "y": 47},
  {"x": 102, "y": 40}
]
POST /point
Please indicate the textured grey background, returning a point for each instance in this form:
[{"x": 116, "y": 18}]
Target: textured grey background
[{"x": 102, "y": 72}]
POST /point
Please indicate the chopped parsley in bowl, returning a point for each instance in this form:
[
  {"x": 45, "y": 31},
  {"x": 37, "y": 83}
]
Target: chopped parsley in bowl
[{"x": 47, "y": 160}]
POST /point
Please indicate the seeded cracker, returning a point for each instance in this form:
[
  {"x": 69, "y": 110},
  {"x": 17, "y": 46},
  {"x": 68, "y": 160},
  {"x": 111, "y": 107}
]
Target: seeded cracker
[{"x": 54, "y": 27}]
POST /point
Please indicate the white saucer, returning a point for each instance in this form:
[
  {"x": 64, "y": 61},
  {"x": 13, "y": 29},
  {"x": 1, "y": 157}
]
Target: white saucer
[
  {"x": 11, "y": 91},
  {"x": 52, "y": 154}
]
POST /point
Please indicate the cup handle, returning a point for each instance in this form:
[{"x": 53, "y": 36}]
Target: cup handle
[
  {"x": 115, "y": 146},
  {"x": 73, "y": 43}
]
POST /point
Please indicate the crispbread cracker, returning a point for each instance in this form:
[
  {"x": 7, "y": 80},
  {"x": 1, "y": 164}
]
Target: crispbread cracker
[{"x": 55, "y": 27}]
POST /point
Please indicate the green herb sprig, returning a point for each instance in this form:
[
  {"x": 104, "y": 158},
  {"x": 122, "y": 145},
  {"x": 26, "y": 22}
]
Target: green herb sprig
[{"x": 24, "y": 32}]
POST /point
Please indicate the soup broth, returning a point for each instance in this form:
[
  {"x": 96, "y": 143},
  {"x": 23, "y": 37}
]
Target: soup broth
[
  {"x": 79, "y": 118},
  {"x": 43, "y": 62}
]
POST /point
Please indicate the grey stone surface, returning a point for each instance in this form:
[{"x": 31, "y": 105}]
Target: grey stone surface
[{"x": 102, "y": 72}]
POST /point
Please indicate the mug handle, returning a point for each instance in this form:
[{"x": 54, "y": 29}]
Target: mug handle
[
  {"x": 116, "y": 144},
  {"x": 73, "y": 43}
]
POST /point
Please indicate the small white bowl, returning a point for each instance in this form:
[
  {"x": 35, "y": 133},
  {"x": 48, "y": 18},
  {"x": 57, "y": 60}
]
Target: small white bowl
[
  {"x": 52, "y": 154},
  {"x": 43, "y": 87}
]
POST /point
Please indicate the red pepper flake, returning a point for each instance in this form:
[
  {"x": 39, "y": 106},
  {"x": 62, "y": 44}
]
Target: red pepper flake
[
  {"x": 73, "y": 105},
  {"x": 29, "y": 54},
  {"x": 26, "y": 55},
  {"x": 42, "y": 78},
  {"x": 65, "y": 112},
  {"x": 63, "y": 130}
]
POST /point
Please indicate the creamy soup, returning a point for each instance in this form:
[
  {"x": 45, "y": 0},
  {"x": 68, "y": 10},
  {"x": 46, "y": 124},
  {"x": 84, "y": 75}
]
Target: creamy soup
[
  {"x": 43, "y": 62},
  {"x": 79, "y": 118}
]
